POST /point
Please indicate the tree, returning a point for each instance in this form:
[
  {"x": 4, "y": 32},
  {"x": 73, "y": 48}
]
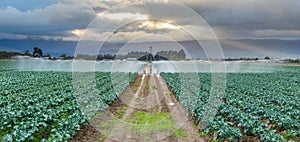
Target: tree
[
  {"x": 267, "y": 58},
  {"x": 37, "y": 52},
  {"x": 181, "y": 54},
  {"x": 63, "y": 56},
  {"x": 27, "y": 53},
  {"x": 48, "y": 56}
]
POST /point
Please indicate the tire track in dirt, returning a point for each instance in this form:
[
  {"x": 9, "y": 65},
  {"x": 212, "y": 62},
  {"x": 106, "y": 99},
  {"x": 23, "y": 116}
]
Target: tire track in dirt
[{"x": 152, "y": 98}]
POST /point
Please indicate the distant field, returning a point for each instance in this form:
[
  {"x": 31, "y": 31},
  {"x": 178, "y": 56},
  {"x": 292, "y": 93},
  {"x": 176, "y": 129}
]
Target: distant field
[{"x": 135, "y": 66}]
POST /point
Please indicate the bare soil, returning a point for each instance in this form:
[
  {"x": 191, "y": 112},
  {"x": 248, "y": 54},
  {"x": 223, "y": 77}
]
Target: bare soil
[{"x": 152, "y": 96}]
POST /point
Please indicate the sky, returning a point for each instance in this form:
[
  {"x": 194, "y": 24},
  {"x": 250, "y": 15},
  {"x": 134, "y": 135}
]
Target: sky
[{"x": 127, "y": 20}]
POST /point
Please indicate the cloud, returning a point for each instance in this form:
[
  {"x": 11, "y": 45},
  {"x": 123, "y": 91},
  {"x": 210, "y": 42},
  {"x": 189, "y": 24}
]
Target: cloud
[
  {"x": 12, "y": 36},
  {"x": 244, "y": 17},
  {"x": 55, "y": 19},
  {"x": 271, "y": 33},
  {"x": 228, "y": 19},
  {"x": 122, "y": 16},
  {"x": 238, "y": 19}
]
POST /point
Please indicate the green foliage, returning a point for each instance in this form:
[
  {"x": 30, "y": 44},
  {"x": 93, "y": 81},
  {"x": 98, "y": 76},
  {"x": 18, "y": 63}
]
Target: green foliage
[
  {"x": 102, "y": 138},
  {"x": 43, "y": 106},
  {"x": 255, "y": 104},
  {"x": 142, "y": 117},
  {"x": 202, "y": 134},
  {"x": 179, "y": 133},
  {"x": 148, "y": 123}
]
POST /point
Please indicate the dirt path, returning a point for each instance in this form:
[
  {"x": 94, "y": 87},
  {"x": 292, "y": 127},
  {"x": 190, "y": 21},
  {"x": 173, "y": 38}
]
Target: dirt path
[
  {"x": 178, "y": 112},
  {"x": 146, "y": 111}
]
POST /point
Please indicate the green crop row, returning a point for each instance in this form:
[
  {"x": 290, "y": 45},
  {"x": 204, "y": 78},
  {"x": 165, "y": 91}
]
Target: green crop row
[
  {"x": 264, "y": 105},
  {"x": 53, "y": 106}
]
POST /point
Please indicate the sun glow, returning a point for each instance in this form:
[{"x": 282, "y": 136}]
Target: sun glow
[
  {"x": 158, "y": 25},
  {"x": 78, "y": 33}
]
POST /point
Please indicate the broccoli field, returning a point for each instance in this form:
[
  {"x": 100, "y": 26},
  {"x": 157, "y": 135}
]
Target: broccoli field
[
  {"x": 40, "y": 106},
  {"x": 256, "y": 106}
]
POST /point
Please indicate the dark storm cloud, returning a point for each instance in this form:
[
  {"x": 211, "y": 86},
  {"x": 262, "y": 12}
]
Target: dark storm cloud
[
  {"x": 228, "y": 18},
  {"x": 55, "y": 19},
  {"x": 257, "y": 14},
  {"x": 233, "y": 18}
]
